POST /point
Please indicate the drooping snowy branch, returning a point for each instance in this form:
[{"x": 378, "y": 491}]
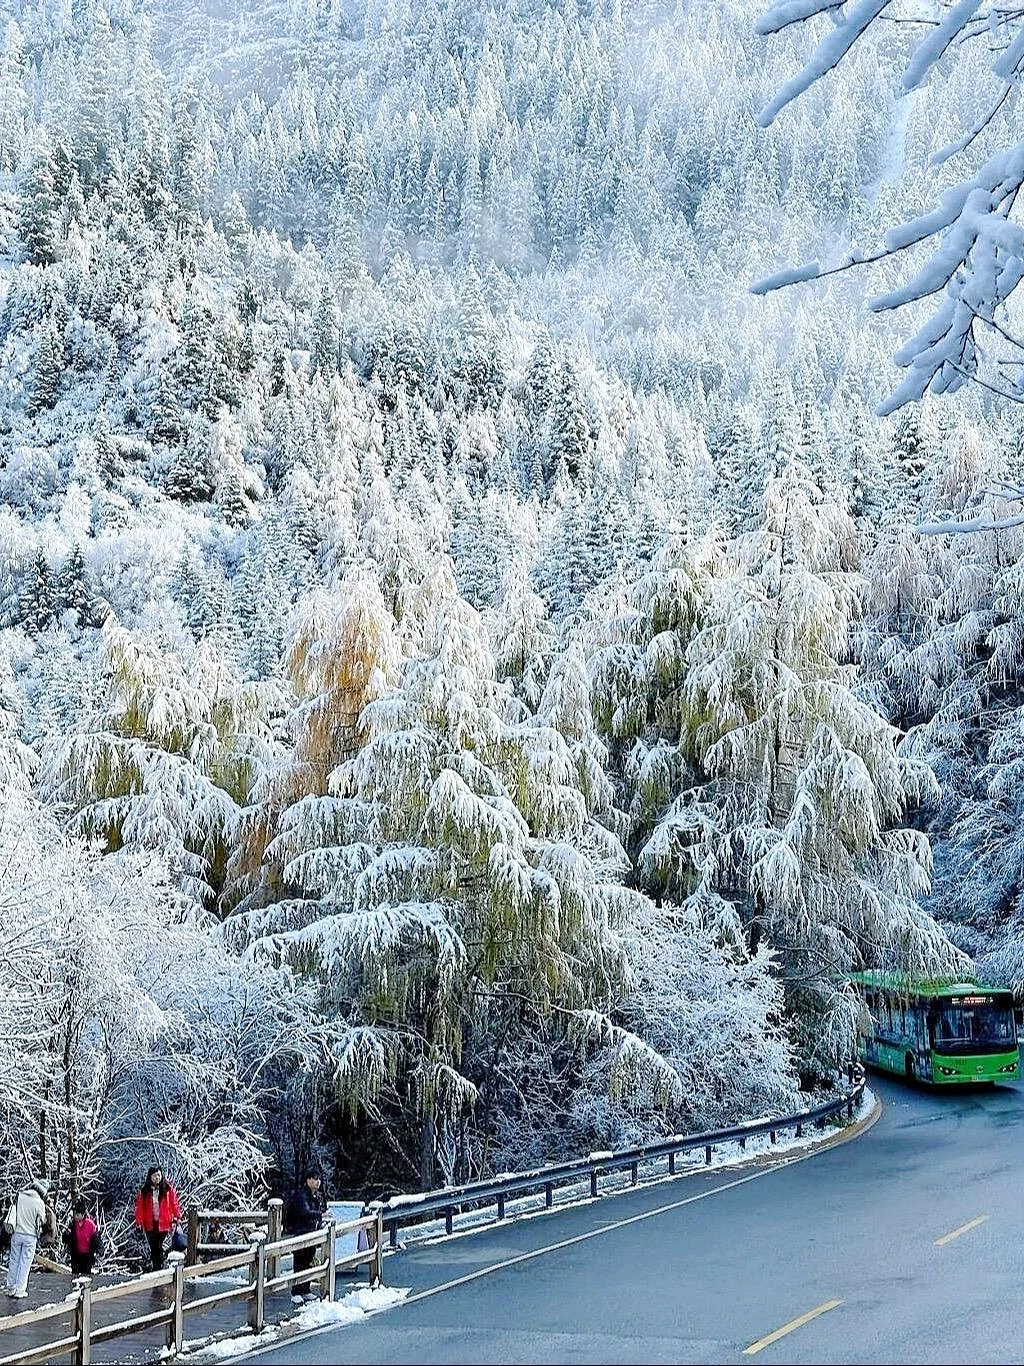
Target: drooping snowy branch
[{"x": 977, "y": 259}]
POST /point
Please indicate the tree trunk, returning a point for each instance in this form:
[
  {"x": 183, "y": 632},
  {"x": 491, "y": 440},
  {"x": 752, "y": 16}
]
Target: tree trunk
[{"x": 427, "y": 1151}]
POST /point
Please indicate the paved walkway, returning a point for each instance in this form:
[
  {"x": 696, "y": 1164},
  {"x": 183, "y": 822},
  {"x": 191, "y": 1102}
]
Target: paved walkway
[{"x": 146, "y": 1344}]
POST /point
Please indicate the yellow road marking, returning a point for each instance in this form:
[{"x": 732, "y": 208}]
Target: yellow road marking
[
  {"x": 964, "y": 1228},
  {"x": 790, "y": 1327}
]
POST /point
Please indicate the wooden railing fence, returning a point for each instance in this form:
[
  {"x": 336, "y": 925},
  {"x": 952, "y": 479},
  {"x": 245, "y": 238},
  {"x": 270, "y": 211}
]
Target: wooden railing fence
[
  {"x": 260, "y": 1261},
  {"x": 203, "y": 1226}
]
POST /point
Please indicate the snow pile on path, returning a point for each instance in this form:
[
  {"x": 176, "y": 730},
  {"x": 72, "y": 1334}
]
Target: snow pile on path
[{"x": 321, "y": 1314}]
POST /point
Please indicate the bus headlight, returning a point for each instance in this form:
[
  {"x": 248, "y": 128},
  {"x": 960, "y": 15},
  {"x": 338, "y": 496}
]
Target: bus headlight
[
  {"x": 1009, "y": 1067},
  {"x": 947, "y": 1071}
]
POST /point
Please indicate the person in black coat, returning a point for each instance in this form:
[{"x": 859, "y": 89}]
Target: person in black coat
[
  {"x": 305, "y": 1214},
  {"x": 82, "y": 1240}
]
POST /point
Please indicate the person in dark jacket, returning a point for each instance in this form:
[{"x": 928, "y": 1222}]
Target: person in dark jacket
[
  {"x": 82, "y": 1240},
  {"x": 305, "y": 1214}
]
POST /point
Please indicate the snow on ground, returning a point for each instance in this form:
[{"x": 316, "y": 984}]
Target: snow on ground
[{"x": 321, "y": 1314}]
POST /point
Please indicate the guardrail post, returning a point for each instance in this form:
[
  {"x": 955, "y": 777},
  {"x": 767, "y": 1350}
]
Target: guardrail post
[
  {"x": 176, "y": 1327},
  {"x": 593, "y": 1184},
  {"x": 771, "y": 1135},
  {"x": 501, "y": 1206},
  {"x": 849, "y": 1108},
  {"x": 83, "y": 1320},
  {"x": 634, "y": 1172},
  {"x": 448, "y": 1214},
  {"x": 192, "y": 1217},
  {"x": 327, "y": 1279},
  {"x": 799, "y": 1131},
  {"x": 275, "y": 1231},
  {"x": 377, "y": 1265},
  {"x": 671, "y": 1164},
  {"x": 707, "y": 1154},
  {"x": 549, "y": 1195},
  {"x": 258, "y": 1303}
]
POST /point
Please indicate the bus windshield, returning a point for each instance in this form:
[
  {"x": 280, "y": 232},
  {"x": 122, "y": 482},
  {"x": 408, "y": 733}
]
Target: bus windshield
[{"x": 965, "y": 1029}]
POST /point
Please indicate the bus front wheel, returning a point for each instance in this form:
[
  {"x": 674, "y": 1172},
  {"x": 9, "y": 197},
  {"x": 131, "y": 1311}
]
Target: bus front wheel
[{"x": 911, "y": 1068}]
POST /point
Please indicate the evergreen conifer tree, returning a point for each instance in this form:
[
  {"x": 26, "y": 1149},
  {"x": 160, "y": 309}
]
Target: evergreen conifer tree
[
  {"x": 37, "y": 604},
  {"x": 165, "y": 420},
  {"x": 570, "y": 431},
  {"x": 191, "y": 478},
  {"x": 48, "y": 370},
  {"x": 109, "y": 462},
  {"x": 74, "y": 590},
  {"x": 39, "y": 210}
]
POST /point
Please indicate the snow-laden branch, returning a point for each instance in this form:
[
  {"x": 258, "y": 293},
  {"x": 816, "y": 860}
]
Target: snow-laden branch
[
  {"x": 977, "y": 260},
  {"x": 829, "y": 52}
]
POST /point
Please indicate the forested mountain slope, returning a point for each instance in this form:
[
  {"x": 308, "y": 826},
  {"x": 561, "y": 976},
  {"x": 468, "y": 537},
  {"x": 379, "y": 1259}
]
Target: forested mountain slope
[{"x": 464, "y": 639}]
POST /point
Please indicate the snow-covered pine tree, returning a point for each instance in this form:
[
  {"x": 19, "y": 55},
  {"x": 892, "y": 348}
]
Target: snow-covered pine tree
[
  {"x": 639, "y": 672},
  {"x": 801, "y": 776},
  {"x": 39, "y": 209},
  {"x": 912, "y": 452},
  {"x": 521, "y": 635},
  {"x": 735, "y": 462},
  {"x": 861, "y": 466},
  {"x": 48, "y": 371},
  {"x": 168, "y": 762},
  {"x": 454, "y": 886},
  {"x": 37, "y": 605},
  {"x": 236, "y": 486},
  {"x": 342, "y": 653},
  {"x": 165, "y": 418},
  {"x": 73, "y": 590}
]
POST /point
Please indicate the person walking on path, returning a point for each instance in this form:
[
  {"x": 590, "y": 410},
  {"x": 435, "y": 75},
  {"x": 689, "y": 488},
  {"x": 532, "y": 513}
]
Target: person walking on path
[
  {"x": 305, "y": 1214},
  {"x": 157, "y": 1213},
  {"x": 28, "y": 1219},
  {"x": 82, "y": 1240}
]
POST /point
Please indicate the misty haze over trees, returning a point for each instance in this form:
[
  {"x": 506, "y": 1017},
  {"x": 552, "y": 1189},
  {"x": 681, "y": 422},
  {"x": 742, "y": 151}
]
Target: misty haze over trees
[{"x": 470, "y": 684}]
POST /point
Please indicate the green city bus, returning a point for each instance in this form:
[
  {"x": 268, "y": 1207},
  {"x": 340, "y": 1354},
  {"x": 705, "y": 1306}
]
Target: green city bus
[{"x": 941, "y": 1033}]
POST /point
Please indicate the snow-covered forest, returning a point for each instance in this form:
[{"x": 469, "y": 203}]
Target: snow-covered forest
[{"x": 470, "y": 684}]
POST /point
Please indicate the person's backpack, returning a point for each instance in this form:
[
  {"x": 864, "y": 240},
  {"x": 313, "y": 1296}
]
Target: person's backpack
[{"x": 7, "y": 1227}]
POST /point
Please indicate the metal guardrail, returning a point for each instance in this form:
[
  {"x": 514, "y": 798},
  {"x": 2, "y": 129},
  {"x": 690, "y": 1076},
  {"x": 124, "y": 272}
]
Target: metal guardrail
[
  {"x": 261, "y": 1259},
  {"x": 403, "y": 1210}
]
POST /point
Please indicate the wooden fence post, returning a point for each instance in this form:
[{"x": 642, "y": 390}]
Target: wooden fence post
[
  {"x": 83, "y": 1320},
  {"x": 192, "y": 1215},
  {"x": 377, "y": 1265},
  {"x": 327, "y": 1280},
  {"x": 258, "y": 1304},
  {"x": 275, "y": 1231},
  {"x": 176, "y": 1327}
]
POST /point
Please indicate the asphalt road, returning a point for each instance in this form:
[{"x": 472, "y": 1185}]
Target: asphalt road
[{"x": 905, "y": 1244}]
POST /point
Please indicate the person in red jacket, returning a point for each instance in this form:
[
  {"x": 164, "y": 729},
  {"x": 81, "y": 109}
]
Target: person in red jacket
[{"x": 157, "y": 1212}]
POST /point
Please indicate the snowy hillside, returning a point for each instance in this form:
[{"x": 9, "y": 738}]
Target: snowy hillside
[{"x": 469, "y": 686}]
